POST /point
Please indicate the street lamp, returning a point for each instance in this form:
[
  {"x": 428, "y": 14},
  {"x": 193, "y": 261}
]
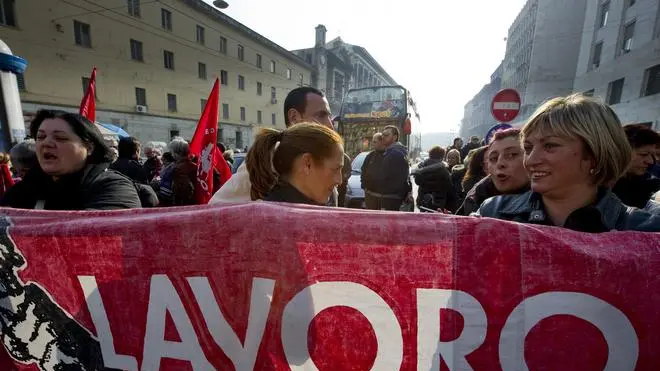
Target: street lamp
[{"x": 221, "y": 4}]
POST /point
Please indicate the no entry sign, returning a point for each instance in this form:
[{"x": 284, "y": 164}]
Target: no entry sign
[{"x": 506, "y": 105}]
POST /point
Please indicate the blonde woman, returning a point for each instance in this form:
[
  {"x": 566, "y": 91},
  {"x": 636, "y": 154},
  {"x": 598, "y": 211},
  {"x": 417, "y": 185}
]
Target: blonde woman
[{"x": 575, "y": 149}]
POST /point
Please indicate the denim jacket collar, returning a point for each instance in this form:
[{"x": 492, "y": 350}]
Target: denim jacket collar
[{"x": 530, "y": 203}]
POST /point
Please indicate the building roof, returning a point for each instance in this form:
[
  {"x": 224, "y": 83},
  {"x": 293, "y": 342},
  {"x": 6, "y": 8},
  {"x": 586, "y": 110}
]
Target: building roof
[
  {"x": 338, "y": 43},
  {"x": 238, "y": 26}
]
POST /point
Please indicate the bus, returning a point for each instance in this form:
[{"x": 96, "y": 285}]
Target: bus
[{"x": 366, "y": 111}]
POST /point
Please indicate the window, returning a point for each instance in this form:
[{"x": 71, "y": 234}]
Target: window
[
  {"x": 239, "y": 139},
  {"x": 140, "y": 97},
  {"x": 603, "y": 14},
  {"x": 259, "y": 89},
  {"x": 201, "y": 70},
  {"x": 598, "y": 50},
  {"x": 242, "y": 113},
  {"x": 273, "y": 119},
  {"x": 221, "y": 135},
  {"x": 628, "y": 35},
  {"x": 241, "y": 53},
  {"x": 200, "y": 37},
  {"x": 225, "y": 111},
  {"x": 338, "y": 86},
  {"x": 272, "y": 66},
  {"x": 20, "y": 79},
  {"x": 166, "y": 19},
  {"x": 134, "y": 8},
  {"x": 168, "y": 59},
  {"x": 631, "y": 3},
  {"x": 223, "y": 45},
  {"x": 203, "y": 104},
  {"x": 136, "y": 51},
  {"x": 241, "y": 82},
  {"x": 175, "y": 133},
  {"x": 259, "y": 61},
  {"x": 614, "y": 91},
  {"x": 652, "y": 81},
  {"x": 273, "y": 93},
  {"x": 288, "y": 73},
  {"x": 82, "y": 34},
  {"x": 259, "y": 121},
  {"x": 589, "y": 93},
  {"x": 7, "y": 15},
  {"x": 171, "y": 102},
  {"x": 224, "y": 77},
  {"x": 308, "y": 58},
  {"x": 300, "y": 79}
]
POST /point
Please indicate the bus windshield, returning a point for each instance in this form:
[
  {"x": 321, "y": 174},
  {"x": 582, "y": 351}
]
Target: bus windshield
[{"x": 376, "y": 102}]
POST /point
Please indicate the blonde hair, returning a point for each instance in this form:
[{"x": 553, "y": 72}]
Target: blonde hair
[
  {"x": 267, "y": 160},
  {"x": 591, "y": 121}
]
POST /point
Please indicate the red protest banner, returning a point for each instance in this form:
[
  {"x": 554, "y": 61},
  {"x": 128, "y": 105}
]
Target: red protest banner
[
  {"x": 88, "y": 103},
  {"x": 320, "y": 290}
]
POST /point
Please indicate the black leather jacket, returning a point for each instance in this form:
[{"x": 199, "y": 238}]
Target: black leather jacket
[{"x": 609, "y": 213}]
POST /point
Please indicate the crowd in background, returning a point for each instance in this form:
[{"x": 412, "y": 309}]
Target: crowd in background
[{"x": 573, "y": 165}]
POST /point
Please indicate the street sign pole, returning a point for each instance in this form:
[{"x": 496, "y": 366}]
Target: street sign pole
[
  {"x": 12, "y": 125},
  {"x": 505, "y": 105}
]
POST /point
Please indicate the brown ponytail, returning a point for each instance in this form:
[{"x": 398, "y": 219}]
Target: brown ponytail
[
  {"x": 258, "y": 163},
  {"x": 315, "y": 139}
]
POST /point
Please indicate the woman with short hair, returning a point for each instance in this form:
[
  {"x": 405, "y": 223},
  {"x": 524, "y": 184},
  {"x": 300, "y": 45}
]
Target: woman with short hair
[
  {"x": 575, "y": 148},
  {"x": 507, "y": 175},
  {"x": 177, "y": 183},
  {"x": 638, "y": 186},
  {"x": 302, "y": 164},
  {"x": 72, "y": 171}
]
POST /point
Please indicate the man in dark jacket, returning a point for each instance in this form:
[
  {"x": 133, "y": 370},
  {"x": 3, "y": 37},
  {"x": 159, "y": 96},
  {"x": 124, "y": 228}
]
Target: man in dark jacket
[
  {"x": 127, "y": 163},
  {"x": 393, "y": 182},
  {"x": 436, "y": 191},
  {"x": 474, "y": 143},
  {"x": 369, "y": 172}
]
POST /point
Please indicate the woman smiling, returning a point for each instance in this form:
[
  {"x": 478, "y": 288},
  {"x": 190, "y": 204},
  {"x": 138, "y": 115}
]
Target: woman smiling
[{"x": 575, "y": 149}]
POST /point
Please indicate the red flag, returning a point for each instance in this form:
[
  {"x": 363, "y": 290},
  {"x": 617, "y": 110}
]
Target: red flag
[
  {"x": 221, "y": 167},
  {"x": 88, "y": 104},
  {"x": 203, "y": 146}
]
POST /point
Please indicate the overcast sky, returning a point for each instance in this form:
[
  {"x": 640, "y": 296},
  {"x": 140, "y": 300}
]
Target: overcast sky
[{"x": 442, "y": 51}]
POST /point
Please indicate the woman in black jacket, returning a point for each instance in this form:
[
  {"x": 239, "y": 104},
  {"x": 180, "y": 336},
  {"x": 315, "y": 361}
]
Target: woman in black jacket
[{"x": 73, "y": 169}]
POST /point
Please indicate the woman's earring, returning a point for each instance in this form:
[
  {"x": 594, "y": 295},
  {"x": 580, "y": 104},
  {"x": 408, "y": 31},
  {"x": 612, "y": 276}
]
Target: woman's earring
[{"x": 592, "y": 171}]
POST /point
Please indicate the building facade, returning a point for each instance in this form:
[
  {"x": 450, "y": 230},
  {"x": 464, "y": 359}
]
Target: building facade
[
  {"x": 620, "y": 58},
  {"x": 477, "y": 119},
  {"x": 156, "y": 61},
  {"x": 339, "y": 66},
  {"x": 543, "y": 46}
]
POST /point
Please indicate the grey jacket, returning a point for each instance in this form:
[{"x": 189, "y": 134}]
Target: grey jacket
[{"x": 609, "y": 213}]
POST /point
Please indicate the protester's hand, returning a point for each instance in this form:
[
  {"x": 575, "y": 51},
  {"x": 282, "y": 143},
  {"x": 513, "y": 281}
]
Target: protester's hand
[{"x": 444, "y": 211}]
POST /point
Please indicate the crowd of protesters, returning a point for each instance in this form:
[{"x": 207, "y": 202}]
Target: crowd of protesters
[{"x": 573, "y": 164}]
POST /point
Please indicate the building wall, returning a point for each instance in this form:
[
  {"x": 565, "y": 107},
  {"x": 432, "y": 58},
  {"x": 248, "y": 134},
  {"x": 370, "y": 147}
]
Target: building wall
[
  {"x": 56, "y": 65},
  {"x": 478, "y": 118},
  {"x": 336, "y": 57},
  {"x": 614, "y": 64},
  {"x": 543, "y": 48}
]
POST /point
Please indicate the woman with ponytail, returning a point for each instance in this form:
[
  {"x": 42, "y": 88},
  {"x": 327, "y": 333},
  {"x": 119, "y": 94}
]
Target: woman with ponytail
[{"x": 301, "y": 164}]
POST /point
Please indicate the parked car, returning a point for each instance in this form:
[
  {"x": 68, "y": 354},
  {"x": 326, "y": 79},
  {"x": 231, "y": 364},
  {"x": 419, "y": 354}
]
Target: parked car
[
  {"x": 238, "y": 160},
  {"x": 354, "y": 191}
]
